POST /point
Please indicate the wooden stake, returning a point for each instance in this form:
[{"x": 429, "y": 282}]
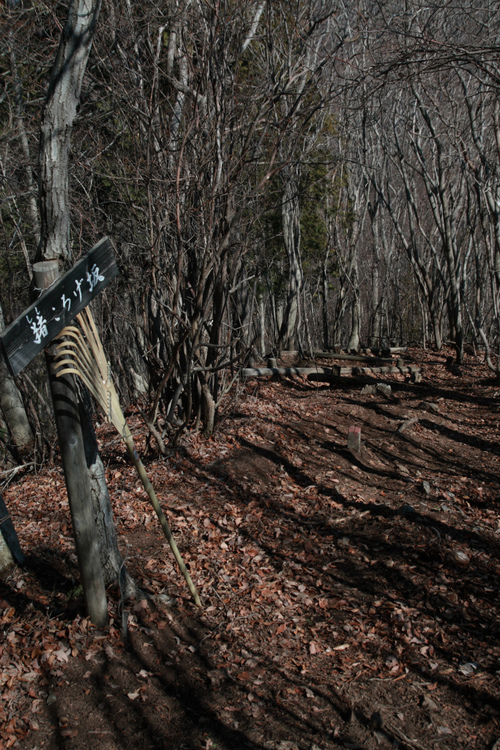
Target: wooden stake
[{"x": 354, "y": 439}]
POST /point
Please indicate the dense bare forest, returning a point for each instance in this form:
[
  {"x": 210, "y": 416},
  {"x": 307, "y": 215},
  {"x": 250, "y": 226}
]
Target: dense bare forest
[
  {"x": 286, "y": 175},
  {"x": 280, "y": 180}
]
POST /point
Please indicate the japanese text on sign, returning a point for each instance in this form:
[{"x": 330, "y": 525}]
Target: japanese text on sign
[
  {"x": 38, "y": 323},
  {"x": 58, "y": 305}
]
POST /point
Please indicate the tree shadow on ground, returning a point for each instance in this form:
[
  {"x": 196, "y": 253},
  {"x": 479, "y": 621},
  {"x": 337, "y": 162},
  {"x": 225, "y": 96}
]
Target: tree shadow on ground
[{"x": 335, "y": 613}]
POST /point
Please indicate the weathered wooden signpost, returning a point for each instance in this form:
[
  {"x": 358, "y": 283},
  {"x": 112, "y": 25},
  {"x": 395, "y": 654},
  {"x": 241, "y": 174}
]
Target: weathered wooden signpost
[
  {"x": 58, "y": 305},
  {"x": 33, "y": 331},
  {"x": 80, "y": 353}
]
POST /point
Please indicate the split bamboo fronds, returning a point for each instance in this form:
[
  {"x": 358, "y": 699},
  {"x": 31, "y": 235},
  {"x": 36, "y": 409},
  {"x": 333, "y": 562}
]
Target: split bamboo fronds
[{"x": 81, "y": 353}]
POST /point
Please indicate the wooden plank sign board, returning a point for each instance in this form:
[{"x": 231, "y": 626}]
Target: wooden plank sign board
[{"x": 58, "y": 305}]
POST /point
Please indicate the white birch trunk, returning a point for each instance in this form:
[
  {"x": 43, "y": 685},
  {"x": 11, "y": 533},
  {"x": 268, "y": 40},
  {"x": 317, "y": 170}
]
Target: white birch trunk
[{"x": 290, "y": 213}]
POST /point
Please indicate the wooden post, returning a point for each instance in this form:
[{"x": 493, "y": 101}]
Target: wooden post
[
  {"x": 354, "y": 439},
  {"x": 44, "y": 274},
  {"x": 69, "y": 433}
]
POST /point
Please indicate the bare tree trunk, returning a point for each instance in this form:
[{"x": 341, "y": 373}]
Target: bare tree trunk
[
  {"x": 291, "y": 235},
  {"x": 355, "y": 313},
  {"x": 12, "y": 406},
  {"x": 31, "y": 182},
  {"x": 13, "y": 410},
  {"x": 324, "y": 302},
  {"x": 6, "y": 559},
  {"x": 57, "y": 123}
]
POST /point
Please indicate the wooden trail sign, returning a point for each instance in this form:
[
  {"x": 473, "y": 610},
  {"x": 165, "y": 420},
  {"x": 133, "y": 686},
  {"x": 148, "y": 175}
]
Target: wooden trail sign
[
  {"x": 80, "y": 353},
  {"x": 57, "y": 306}
]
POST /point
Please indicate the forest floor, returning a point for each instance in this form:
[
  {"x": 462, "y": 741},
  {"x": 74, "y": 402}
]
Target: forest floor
[{"x": 350, "y": 600}]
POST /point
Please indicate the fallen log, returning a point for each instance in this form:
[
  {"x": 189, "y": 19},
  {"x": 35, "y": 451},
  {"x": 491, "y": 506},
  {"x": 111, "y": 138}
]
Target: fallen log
[
  {"x": 324, "y": 374},
  {"x": 364, "y": 354},
  {"x": 353, "y": 357},
  {"x": 405, "y": 370},
  {"x": 345, "y": 381},
  {"x": 385, "y": 351},
  {"x": 259, "y": 372}
]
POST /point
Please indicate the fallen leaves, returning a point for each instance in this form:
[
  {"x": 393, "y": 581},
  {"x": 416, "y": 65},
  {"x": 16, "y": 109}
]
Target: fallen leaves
[{"x": 304, "y": 560}]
